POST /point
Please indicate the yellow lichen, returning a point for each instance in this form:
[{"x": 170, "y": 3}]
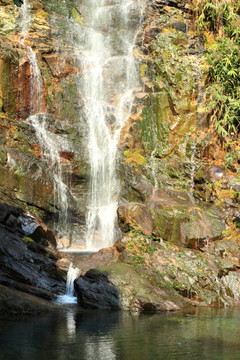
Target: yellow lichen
[
  {"x": 143, "y": 69},
  {"x": 134, "y": 158}
]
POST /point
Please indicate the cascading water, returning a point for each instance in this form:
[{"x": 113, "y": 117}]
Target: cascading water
[
  {"x": 106, "y": 85},
  {"x": 69, "y": 297},
  {"x": 153, "y": 170},
  {"x": 38, "y": 118}
]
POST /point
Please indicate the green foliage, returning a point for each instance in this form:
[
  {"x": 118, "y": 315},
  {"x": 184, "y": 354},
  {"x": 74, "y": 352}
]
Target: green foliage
[
  {"x": 231, "y": 158},
  {"x": 138, "y": 260},
  {"x": 218, "y": 16},
  {"x": 222, "y": 20},
  {"x": 223, "y": 87},
  {"x": 237, "y": 224},
  {"x": 76, "y": 15},
  {"x": 27, "y": 239}
]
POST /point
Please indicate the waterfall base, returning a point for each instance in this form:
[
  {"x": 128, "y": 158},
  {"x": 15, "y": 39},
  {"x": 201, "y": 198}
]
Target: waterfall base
[
  {"x": 68, "y": 297},
  {"x": 66, "y": 300},
  {"x": 79, "y": 251}
]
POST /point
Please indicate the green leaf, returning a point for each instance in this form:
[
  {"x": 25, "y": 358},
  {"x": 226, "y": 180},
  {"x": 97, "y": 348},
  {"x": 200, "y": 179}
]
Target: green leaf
[{"x": 76, "y": 15}]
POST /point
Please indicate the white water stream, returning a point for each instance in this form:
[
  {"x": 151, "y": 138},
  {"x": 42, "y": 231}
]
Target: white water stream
[
  {"x": 69, "y": 297},
  {"x": 106, "y": 85},
  {"x": 38, "y": 116}
]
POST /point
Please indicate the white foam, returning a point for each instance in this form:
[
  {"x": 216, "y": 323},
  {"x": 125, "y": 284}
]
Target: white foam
[{"x": 69, "y": 297}]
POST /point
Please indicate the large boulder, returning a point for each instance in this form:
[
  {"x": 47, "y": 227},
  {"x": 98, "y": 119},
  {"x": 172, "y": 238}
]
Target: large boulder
[
  {"x": 178, "y": 219},
  {"x": 95, "y": 291},
  {"x": 174, "y": 217}
]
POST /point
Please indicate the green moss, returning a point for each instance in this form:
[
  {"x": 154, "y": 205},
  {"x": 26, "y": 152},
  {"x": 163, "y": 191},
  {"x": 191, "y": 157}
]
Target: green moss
[
  {"x": 147, "y": 130},
  {"x": 134, "y": 158},
  {"x": 8, "y": 89},
  {"x": 58, "y": 7},
  {"x": 3, "y": 155},
  {"x": 46, "y": 73},
  {"x": 118, "y": 268},
  {"x": 7, "y": 19},
  {"x": 49, "y": 102},
  {"x": 68, "y": 111},
  {"x": 154, "y": 125},
  {"x": 70, "y": 88},
  {"x": 143, "y": 69},
  {"x": 167, "y": 224},
  {"x": 27, "y": 239},
  {"x": 20, "y": 141}
]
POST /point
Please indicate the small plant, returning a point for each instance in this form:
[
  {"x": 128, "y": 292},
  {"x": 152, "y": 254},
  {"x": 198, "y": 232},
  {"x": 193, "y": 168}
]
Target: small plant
[
  {"x": 139, "y": 245},
  {"x": 138, "y": 260},
  {"x": 27, "y": 239}
]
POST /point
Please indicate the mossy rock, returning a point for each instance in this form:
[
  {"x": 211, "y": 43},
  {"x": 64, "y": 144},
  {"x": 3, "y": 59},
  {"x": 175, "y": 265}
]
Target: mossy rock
[
  {"x": 134, "y": 158},
  {"x": 133, "y": 289},
  {"x": 178, "y": 220},
  {"x": 3, "y": 155},
  {"x": 154, "y": 125}
]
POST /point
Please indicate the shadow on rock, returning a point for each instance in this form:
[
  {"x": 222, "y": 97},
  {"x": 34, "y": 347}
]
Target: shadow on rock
[
  {"x": 28, "y": 264},
  {"x": 95, "y": 291}
]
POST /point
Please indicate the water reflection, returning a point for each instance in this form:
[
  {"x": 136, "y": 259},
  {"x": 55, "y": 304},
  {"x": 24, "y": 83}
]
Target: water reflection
[
  {"x": 96, "y": 335},
  {"x": 71, "y": 323}
]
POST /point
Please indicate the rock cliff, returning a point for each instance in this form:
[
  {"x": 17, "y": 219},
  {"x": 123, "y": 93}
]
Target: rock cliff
[{"x": 179, "y": 200}]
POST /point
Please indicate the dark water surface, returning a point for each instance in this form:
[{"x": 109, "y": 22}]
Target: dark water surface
[{"x": 97, "y": 335}]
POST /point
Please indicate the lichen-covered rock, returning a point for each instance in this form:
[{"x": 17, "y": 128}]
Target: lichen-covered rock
[
  {"x": 159, "y": 276},
  {"x": 121, "y": 286},
  {"x": 173, "y": 217},
  {"x": 178, "y": 219}
]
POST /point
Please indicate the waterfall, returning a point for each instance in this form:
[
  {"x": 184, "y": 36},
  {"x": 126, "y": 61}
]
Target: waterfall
[
  {"x": 106, "y": 85},
  {"x": 38, "y": 119},
  {"x": 153, "y": 170},
  {"x": 69, "y": 297}
]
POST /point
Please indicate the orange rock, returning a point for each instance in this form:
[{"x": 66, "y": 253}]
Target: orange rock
[{"x": 134, "y": 214}]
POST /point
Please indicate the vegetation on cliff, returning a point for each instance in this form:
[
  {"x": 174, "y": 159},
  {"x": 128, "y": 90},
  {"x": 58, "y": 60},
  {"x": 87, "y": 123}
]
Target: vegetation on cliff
[{"x": 219, "y": 22}]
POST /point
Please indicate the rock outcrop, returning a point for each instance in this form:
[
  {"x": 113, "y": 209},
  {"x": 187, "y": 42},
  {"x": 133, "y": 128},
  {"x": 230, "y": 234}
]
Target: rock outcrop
[
  {"x": 180, "y": 190},
  {"x": 28, "y": 263},
  {"x": 159, "y": 276}
]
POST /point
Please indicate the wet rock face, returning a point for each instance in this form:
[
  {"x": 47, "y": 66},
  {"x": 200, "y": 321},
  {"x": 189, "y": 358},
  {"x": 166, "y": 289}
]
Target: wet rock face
[
  {"x": 16, "y": 303},
  {"x": 160, "y": 143},
  {"x": 171, "y": 162},
  {"x": 165, "y": 120},
  {"x": 26, "y": 265},
  {"x": 25, "y": 172}
]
